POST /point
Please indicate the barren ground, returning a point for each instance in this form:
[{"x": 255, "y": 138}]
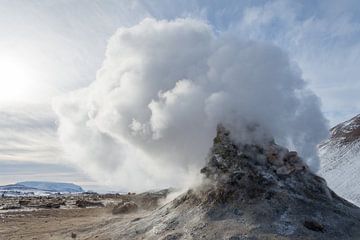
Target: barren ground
[{"x": 61, "y": 223}]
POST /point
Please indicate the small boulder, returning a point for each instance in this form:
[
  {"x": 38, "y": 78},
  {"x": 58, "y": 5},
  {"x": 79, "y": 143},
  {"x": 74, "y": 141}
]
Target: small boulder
[{"x": 23, "y": 202}]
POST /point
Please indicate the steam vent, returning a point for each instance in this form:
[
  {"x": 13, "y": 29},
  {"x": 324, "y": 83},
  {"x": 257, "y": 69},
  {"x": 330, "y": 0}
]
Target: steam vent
[{"x": 252, "y": 192}]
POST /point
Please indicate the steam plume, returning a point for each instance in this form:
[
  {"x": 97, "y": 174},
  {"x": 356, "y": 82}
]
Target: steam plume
[{"x": 149, "y": 117}]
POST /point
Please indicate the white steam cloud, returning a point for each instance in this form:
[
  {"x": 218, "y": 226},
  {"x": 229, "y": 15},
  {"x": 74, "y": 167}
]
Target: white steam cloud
[{"x": 149, "y": 118}]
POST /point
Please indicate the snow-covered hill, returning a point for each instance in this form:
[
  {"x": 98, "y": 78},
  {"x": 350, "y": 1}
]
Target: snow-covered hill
[
  {"x": 340, "y": 159},
  {"x": 39, "y": 188}
]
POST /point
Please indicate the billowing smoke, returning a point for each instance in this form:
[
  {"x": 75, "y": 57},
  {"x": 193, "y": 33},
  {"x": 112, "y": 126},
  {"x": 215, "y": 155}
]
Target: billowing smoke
[{"x": 149, "y": 118}]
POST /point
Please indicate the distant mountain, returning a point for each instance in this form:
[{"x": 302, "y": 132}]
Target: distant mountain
[
  {"x": 340, "y": 159},
  {"x": 39, "y": 188},
  {"x": 52, "y": 186},
  {"x": 16, "y": 187}
]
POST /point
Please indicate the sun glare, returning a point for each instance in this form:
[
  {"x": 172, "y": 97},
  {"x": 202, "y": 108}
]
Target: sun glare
[{"x": 16, "y": 79}]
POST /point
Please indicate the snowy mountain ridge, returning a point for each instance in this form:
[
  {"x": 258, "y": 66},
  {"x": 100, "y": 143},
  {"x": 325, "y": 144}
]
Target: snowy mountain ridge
[
  {"x": 340, "y": 159},
  {"x": 346, "y": 132}
]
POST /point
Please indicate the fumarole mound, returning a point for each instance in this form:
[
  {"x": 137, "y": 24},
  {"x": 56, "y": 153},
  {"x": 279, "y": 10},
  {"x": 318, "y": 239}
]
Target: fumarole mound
[{"x": 252, "y": 192}]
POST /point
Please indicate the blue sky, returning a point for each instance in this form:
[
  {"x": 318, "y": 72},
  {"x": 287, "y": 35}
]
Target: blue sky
[{"x": 48, "y": 48}]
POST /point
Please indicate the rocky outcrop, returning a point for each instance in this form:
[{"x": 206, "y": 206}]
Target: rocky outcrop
[
  {"x": 346, "y": 132},
  {"x": 253, "y": 171}
]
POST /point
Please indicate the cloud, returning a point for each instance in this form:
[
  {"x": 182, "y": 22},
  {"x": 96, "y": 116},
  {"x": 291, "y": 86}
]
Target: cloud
[
  {"x": 67, "y": 49},
  {"x": 28, "y": 134},
  {"x": 149, "y": 117},
  {"x": 322, "y": 38}
]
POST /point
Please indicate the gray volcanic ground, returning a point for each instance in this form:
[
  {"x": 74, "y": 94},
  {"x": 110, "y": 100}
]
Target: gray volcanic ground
[{"x": 249, "y": 191}]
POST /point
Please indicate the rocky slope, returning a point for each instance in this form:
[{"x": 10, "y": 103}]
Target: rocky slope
[
  {"x": 250, "y": 192},
  {"x": 340, "y": 159}
]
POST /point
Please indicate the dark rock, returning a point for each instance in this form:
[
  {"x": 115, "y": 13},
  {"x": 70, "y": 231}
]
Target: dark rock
[
  {"x": 81, "y": 203},
  {"x": 173, "y": 236},
  {"x": 314, "y": 226},
  {"x": 50, "y": 205},
  {"x": 242, "y": 238},
  {"x": 23, "y": 202},
  {"x": 135, "y": 219}
]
